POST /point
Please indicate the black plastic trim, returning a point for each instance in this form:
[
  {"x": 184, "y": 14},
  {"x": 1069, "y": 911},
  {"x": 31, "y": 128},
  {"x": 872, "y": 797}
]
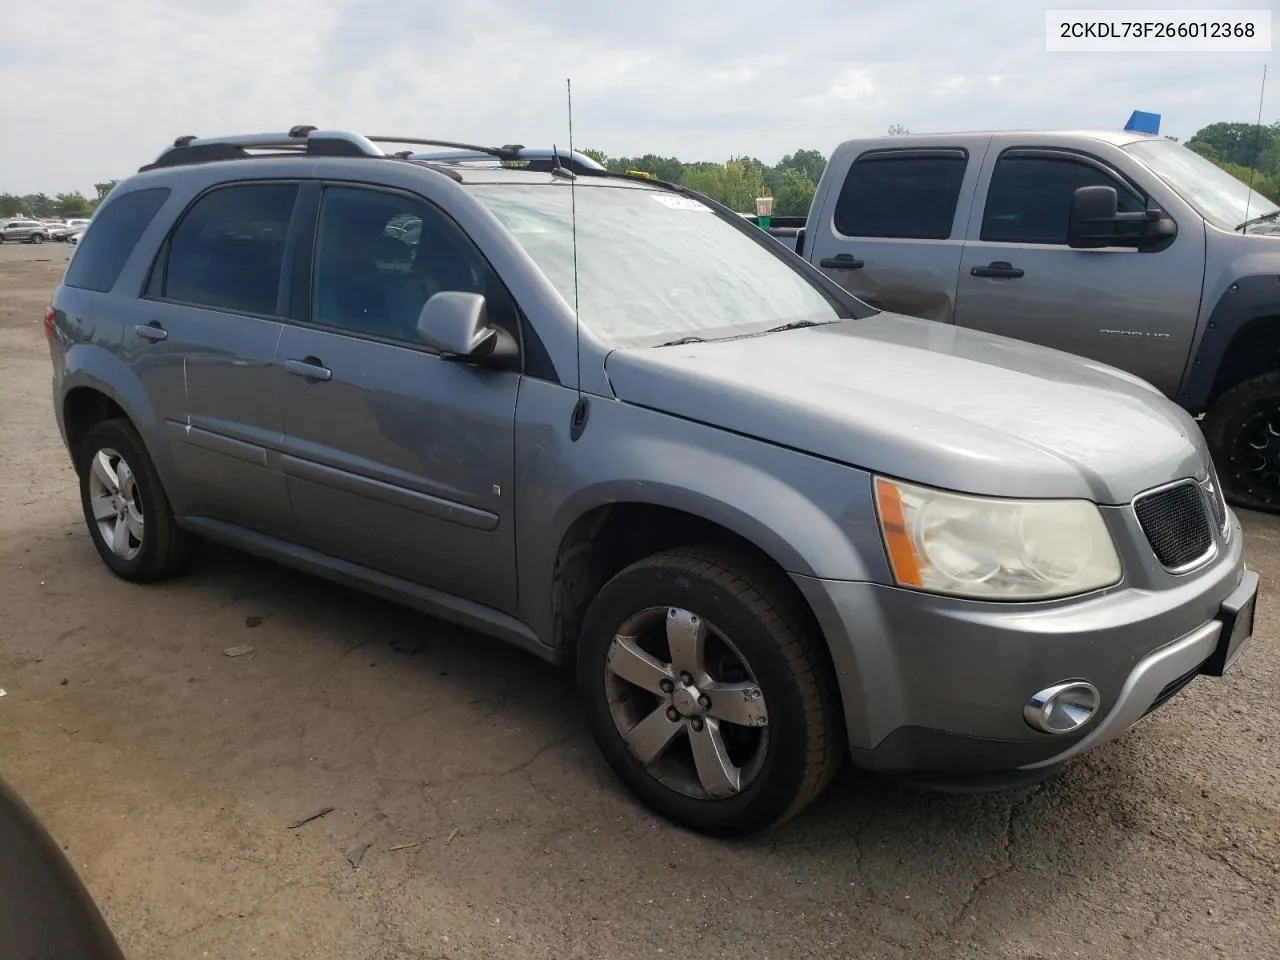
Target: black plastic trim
[{"x": 1248, "y": 299}]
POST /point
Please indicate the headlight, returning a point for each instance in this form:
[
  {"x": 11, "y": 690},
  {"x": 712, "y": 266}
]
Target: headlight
[{"x": 994, "y": 549}]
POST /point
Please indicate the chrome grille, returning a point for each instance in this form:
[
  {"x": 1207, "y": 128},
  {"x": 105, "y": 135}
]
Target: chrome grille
[
  {"x": 1213, "y": 492},
  {"x": 1176, "y": 524}
]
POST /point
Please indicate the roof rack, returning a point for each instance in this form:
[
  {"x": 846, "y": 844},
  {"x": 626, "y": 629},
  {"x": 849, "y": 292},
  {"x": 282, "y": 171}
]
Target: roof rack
[
  {"x": 308, "y": 140},
  {"x": 541, "y": 160}
]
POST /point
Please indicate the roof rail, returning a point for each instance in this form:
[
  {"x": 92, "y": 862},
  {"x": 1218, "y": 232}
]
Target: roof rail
[
  {"x": 306, "y": 139},
  {"x": 538, "y": 159}
]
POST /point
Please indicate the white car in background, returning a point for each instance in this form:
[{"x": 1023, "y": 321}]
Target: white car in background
[{"x": 66, "y": 230}]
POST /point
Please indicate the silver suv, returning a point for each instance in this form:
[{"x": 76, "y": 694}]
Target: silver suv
[
  {"x": 25, "y": 231},
  {"x": 605, "y": 419}
]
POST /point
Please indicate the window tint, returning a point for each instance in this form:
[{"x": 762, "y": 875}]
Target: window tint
[
  {"x": 379, "y": 256},
  {"x": 228, "y": 251},
  {"x": 1029, "y": 200},
  {"x": 106, "y": 245},
  {"x": 904, "y": 196}
]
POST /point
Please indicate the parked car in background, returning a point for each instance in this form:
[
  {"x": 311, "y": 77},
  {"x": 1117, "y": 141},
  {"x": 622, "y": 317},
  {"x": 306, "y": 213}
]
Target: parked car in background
[
  {"x": 65, "y": 231},
  {"x": 616, "y": 425},
  {"x": 23, "y": 231},
  {"x": 1121, "y": 247}
]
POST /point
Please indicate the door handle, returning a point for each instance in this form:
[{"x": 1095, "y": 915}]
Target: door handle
[
  {"x": 309, "y": 367},
  {"x": 151, "y": 331},
  {"x": 1000, "y": 268},
  {"x": 843, "y": 261}
]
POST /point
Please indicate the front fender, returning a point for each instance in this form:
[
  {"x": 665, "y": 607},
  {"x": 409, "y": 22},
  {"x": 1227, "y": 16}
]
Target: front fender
[
  {"x": 813, "y": 517},
  {"x": 1243, "y": 301}
]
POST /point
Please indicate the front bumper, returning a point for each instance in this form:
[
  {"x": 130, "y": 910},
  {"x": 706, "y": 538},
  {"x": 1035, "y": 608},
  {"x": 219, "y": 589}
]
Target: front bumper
[{"x": 935, "y": 684}]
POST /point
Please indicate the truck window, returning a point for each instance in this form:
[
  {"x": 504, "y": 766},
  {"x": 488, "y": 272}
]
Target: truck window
[
  {"x": 1029, "y": 199},
  {"x": 901, "y": 194}
]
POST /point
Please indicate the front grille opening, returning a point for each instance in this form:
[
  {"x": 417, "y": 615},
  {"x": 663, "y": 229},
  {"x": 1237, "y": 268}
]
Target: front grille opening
[
  {"x": 1172, "y": 687},
  {"x": 1176, "y": 524}
]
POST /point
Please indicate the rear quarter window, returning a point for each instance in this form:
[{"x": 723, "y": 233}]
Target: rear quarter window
[{"x": 111, "y": 237}]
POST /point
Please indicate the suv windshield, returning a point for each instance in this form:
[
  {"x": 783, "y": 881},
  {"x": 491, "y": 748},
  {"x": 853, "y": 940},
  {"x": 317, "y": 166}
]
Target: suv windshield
[
  {"x": 655, "y": 266},
  {"x": 1218, "y": 196}
]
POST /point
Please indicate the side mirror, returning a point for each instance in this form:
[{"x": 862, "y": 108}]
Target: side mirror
[
  {"x": 457, "y": 325},
  {"x": 1095, "y": 217}
]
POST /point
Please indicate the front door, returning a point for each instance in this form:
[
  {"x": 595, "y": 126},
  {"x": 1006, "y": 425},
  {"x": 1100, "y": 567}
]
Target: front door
[
  {"x": 206, "y": 341},
  {"x": 398, "y": 459},
  {"x": 1128, "y": 308}
]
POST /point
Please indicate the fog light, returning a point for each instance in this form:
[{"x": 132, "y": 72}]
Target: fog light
[{"x": 1062, "y": 708}]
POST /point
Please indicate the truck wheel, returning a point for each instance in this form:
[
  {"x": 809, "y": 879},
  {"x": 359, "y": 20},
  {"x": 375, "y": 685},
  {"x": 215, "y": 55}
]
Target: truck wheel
[
  {"x": 708, "y": 693},
  {"x": 1243, "y": 432},
  {"x": 129, "y": 517}
]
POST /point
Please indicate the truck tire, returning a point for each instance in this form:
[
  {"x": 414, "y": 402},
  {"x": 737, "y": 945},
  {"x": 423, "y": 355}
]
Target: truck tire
[
  {"x": 708, "y": 692},
  {"x": 125, "y": 507},
  {"x": 1243, "y": 432}
]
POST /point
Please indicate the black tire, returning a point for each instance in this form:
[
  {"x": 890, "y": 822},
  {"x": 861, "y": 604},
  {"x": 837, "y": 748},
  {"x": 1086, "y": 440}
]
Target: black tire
[
  {"x": 164, "y": 548},
  {"x": 805, "y": 744},
  {"x": 1234, "y": 428},
  {"x": 37, "y": 238}
]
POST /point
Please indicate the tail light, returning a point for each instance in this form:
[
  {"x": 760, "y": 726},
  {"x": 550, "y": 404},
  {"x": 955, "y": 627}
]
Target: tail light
[{"x": 50, "y": 315}]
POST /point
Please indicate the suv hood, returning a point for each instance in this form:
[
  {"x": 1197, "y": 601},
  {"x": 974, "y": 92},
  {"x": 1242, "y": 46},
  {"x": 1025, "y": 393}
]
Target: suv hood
[{"x": 928, "y": 402}]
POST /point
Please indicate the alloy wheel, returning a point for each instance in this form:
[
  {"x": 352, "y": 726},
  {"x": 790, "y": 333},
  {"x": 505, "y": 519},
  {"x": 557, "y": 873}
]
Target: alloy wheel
[
  {"x": 686, "y": 703},
  {"x": 115, "y": 503}
]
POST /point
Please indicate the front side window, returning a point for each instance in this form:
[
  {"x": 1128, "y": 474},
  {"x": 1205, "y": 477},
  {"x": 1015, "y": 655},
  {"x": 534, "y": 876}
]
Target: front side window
[
  {"x": 655, "y": 266},
  {"x": 228, "y": 251},
  {"x": 1218, "y": 196},
  {"x": 379, "y": 256},
  {"x": 900, "y": 194},
  {"x": 1029, "y": 199}
]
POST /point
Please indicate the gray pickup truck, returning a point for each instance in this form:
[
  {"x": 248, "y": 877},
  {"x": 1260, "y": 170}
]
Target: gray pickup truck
[
  {"x": 1125, "y": 248},
  {"x": 619, "y": 427}
]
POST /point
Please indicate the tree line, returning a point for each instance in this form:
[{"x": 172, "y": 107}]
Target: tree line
[
  {"x": 65, "y": 205},
  {"x": 1247, "y": 151}
]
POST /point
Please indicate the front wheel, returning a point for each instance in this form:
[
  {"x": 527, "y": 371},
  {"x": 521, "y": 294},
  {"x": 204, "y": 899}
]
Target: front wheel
[
  {"x": 37, "y": 238},
  {"x": 1243, "y": 432},
  {"x": 708, "y": 693}
]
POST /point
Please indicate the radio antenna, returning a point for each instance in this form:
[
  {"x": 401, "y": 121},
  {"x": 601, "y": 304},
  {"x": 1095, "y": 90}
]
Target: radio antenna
[
  {"x": 579, "y": 413},
  {"x": 1257, "y": 139}
]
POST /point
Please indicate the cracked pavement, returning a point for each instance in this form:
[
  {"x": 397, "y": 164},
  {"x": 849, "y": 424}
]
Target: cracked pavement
[{"x": 170, "y": 773}]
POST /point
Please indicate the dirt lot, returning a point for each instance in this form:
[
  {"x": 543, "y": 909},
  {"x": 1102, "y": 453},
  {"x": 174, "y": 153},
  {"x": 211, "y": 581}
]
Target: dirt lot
[{"x": 170, "y": 772}]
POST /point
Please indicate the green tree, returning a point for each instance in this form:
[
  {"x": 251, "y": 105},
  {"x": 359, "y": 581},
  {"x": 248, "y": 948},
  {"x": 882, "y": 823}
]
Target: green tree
[
  {"x": 1242, "y": 143},
  {"x": 10, "y": 205},
  {"x": 103, "y": 188},
  {"x": 793, "y": 193},
  {"x": 71, "y": 205},
  {"x": 598, "y": 156},
  {"x": 811, "y": 163},
  {"x": 37, "y": 205}
]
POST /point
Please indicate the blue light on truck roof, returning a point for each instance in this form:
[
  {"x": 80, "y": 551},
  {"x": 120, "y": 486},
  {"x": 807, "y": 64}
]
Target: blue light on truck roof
[{"x": 1142, "y": 122}]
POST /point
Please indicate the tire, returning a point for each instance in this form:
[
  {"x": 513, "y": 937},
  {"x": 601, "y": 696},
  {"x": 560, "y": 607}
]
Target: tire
[
  {"x": 1243, "y": 432},
  {"x": 152, "y": 546},
  {"x": 757, "y": 637},
  {"x": 37, "y": 238}
]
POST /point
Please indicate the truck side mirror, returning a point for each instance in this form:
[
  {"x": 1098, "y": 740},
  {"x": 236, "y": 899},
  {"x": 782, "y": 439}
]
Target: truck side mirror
[{"x": 1095, "y": 216}]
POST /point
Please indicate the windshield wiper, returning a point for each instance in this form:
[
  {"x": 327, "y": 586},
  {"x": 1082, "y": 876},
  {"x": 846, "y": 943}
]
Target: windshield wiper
[
  {"x": 676, "y": 343},
  {"x": 1262, "y": 219},
  {"x": 794, "y": 325}
]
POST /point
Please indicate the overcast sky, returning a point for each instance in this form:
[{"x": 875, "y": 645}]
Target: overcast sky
[{"x": 92, "y": 89}]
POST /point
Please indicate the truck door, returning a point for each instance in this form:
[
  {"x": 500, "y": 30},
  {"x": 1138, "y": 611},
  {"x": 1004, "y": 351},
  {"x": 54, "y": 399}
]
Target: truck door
[
  {"x": 1129, "y": 308},
  {"x": 892, "y": 221}
]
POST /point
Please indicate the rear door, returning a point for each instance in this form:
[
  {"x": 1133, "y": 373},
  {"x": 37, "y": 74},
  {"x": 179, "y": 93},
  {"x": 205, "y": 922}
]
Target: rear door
[
  {"x": 398, "y": 459},
  {"x": 1129, "y": 308},
  {"x": 208, "y": 327},
  {"x": 893, "y": 231}
]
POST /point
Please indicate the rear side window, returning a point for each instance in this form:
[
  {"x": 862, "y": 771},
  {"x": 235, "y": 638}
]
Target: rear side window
[
  {"x": 901, "y": 194},
  {"x": 107, "y": 243},
  {"x": 1029, "y": 200},
  {"x": 228, "y": 251}
]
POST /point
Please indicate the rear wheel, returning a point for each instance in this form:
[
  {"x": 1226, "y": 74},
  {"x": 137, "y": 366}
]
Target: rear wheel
[
  {"x": 707, "y": 692},
  {"x": 37, "y": 238},
  {"x": 125, "y": 507},
  {"x": 1243, "y": 432}
]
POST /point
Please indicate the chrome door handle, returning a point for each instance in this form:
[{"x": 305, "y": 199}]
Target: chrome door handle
[
  {"x": 309, "y": 367},
  {"x": 151, "y": 331}
]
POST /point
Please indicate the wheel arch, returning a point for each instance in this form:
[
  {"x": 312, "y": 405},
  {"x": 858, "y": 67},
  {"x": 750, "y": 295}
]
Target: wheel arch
[{"x": 1241, "y": 340}]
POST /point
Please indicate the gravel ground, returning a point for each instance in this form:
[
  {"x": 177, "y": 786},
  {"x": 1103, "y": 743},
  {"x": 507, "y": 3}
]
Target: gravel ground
[{"x": 171, "y": 772}]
